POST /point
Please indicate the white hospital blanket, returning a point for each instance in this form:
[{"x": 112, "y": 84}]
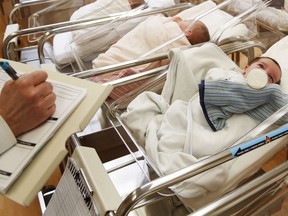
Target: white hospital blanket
[
  {"x": 99, "y": 8},
  {"x": 86, "y": 44},
  {"x": 184, "y": 74},
  {"x": 149, "y": 34},
  {"x": 159, "y": 3}
]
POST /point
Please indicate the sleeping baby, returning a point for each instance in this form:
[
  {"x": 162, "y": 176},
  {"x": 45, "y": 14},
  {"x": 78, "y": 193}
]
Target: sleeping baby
[{"x": 149, "y": 34}]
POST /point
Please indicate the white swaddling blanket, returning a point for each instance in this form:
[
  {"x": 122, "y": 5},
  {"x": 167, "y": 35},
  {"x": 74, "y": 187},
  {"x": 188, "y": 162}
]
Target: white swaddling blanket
[
  {"x": 149, "y": 34},
  {"x": 152, "y": 33},
  {"x": 176, "y": 134},
  {"x": 159, "y": 3},
  {"x": 89, "y": 42},
  {"x": 99, "y": 8}
]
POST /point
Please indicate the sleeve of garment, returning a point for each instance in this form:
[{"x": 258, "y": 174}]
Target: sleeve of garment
[
  {"x": 7, "y": 137},
  {"x": 220, "y": 99}
]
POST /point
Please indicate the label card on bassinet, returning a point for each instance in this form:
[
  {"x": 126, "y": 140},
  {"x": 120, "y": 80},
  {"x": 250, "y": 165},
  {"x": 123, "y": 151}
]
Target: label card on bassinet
[{"x": 72, "y": 195}]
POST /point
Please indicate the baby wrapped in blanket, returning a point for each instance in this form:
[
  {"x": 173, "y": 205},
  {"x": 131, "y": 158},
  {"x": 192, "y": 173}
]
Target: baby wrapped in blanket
[
  {"x": 149, "y": 34},
  {"x": 175, "y": 132},
  {"x": 87, "y": 43}
]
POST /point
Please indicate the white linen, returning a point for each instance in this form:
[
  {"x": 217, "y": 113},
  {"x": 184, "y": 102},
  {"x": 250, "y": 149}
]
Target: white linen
[
  {"x": 177, "y": 135},
  {"x": 7, "y": 137},
  {"x": 159, "y": 3},
  {"x": 95, "y": 9},
  {"x": 149, "y": 34},
  {"x": 182, "y": 85},
  {"x": 272, "y": 16},
  {"x": 86, "y": 44},
  {"x": 279, "y": 51},
  {"x": 62, "y": 51}
]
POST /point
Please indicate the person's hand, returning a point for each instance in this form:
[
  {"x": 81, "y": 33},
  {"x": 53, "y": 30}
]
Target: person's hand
[{"x": 27, "y": 102}]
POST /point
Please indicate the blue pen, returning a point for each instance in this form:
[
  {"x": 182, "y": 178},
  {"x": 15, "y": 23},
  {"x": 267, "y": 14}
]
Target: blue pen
[{"x": 9, "y": 70}]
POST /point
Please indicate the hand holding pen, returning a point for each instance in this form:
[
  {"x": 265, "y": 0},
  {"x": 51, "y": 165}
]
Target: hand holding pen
[{"x": 26, "y": 101}]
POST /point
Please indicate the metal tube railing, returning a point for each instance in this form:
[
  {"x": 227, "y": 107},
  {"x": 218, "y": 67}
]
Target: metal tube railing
[
  {"x": 118, "y": 66},
  {"x": 157, "y": 185},
  {"x": 33, "y": 17},
  {"x": 244, "y": 192},
  {"x": 92, "y": 22},
  {"x": 98, "y": 22},
  {"x": 236, "y": 45},
  {"x": 20, "y": 5}
]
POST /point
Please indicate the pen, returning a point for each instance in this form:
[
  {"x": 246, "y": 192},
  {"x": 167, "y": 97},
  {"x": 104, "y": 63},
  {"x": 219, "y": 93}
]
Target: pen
[{"x": 9, "y": 70}]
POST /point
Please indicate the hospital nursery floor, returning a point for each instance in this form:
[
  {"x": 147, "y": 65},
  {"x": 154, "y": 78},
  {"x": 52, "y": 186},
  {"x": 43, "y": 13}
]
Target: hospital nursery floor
[{"x": 10, "y": 208}]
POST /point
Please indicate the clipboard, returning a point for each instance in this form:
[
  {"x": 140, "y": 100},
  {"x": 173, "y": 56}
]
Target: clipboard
[{"x": 36, "y": 174}]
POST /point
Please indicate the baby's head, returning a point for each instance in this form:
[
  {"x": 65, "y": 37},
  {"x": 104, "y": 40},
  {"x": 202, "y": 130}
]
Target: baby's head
[
  {"x": 195, "y": 31},
  {"x": 269, "y": 65},
  {"x": 135, "y": 3}
]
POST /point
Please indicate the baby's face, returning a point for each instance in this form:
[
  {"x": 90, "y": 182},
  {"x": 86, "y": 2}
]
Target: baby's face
[{"x": 272, "y": 69}]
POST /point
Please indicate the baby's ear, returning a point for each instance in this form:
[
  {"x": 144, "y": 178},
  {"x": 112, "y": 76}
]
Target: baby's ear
[
  {"x": 188, "y": 33},
  {"x": 244, "y": 71}
]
